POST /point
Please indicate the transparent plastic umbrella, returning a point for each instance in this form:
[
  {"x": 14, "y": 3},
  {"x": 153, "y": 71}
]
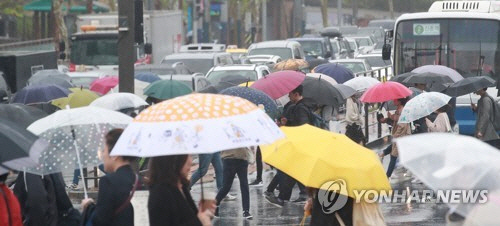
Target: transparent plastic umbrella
[
  {"x": 445, "y": 161},
  {"x": 119, "y": 101},
  {"x": 75, "y": 136}
]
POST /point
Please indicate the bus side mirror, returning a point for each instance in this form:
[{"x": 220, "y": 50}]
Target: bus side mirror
[
  {"x": 148, "y": 48},
  {"x": 386, "y": 52}
]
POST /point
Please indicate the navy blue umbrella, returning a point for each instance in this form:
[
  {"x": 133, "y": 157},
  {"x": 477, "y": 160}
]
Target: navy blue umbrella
[
  {"x": 42, "y": 93},
  {"x": 338, "y": 72},
  {"x": 22, "y": 115},
  {"x": 255, "y": 96},
  {"x": 147, "y": 77}
]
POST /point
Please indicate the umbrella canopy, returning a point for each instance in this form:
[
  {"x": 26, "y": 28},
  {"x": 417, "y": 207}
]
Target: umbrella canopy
[
  {"x": 22, "y": 115},
  {"x": 37, "y": 94},
  {"x": 78, "y": 98},
  {"x": 226, "y": 82},
  {"x": 104, "y": 85},
  {"x": 401, "y": 77},
  {"x": 485, "y": 214},
  {"x": 291, "y": 65},
  {"x": 52, "y": 73},
  {"x": 323, "y": 77},
  {"x": 433, "y": 81},
  {"x": 51, "y": 80},
  {"x": 257, "y": 97},
  {"x": 385, "y": 91},
  {"x": 338, "y": 72},
  {"x": 119, "y": 101},
  {"x": 361, "y": 83},
  {"x": 322, "y": 92},
  {"x": 20, "y": 148},
  {"x": 445, "y": 161},
  {"x": 197, "y": 123},
  {"x": 167, "y": 89},
  {"x": 439, "y": 69},
  {"x": 469, "y": 85},
  {"x": 139, "y": 87},
  {"x": 423, "y": 105},
  {"x": 279, "y": 83},
  {"x": 316, "y": 62},
  {"x": 147, "y": 77},
  {"x": 345, "y": 91},
  {"x": 314, "y": 156}
]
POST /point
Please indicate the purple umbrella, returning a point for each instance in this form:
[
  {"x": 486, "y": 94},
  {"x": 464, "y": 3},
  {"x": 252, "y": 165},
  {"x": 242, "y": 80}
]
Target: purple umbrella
[
  {"x": 439, "y": 69},
  {"x": 338, "y": 72},
  {"x": 43, "y": 93},
  {"x": 279, "y": 83}
]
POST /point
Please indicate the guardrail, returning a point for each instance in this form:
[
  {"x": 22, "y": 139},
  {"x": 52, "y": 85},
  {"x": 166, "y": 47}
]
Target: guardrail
[{"x": 14, "y": 45}]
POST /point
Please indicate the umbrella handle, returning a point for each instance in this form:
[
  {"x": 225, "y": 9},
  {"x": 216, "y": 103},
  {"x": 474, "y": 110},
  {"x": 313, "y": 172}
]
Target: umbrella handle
[{"x": 81, "y": 170}]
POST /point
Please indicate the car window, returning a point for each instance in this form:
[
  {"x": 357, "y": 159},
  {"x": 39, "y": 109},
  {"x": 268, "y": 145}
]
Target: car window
[
  {"x": 296, "y": 53},
  {"x": 335, "y": 46},
  {"x": 214, "y": 77}
]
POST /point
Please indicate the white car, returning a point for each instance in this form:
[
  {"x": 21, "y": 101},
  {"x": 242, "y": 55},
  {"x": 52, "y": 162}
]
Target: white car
[
  {"x": 354, "y": 45},
  {"x": 283, "y": 48},
  {"x": 269, "y": 60},
  {"x": 376, "y": 62},
  {"x": 365, "y": 44},
  {"x": 355, "y": 65},
  {"x": 251, "y": 71}
]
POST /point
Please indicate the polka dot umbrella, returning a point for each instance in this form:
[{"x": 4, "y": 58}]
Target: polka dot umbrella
[
  {"x": 255, "y": 96},
  {"x": 197, "y": 124},
  {"x": 74, "y": 136}
]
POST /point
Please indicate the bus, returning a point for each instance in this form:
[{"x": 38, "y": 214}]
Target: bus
[{"x": 462, "y": 35}]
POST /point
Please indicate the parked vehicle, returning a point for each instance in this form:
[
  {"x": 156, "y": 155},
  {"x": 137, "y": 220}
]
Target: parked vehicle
[
  {"x": 316, "y": 48},
  {"x": 196, "y": 81},
  {"x": 377, "y": 32},
  {"x": 386, "y": 24},
  {"x": 251, "y": 71},
  {"x": 285, "y": 49},
  {"x": 84, "y": 79},
  {"x": 269, "y": 60},
  {"x": 238, "y": 54},
  {"x": 341, "y": 48},
  {"x": 365, "y": 44},
  {"x": 163, "y": 69},
  {"x": 354, "y": 46},
  {"x": 199, "y": 62},
  {"x": 355, "y": 65},
  {"x": 376, "y": 62}
]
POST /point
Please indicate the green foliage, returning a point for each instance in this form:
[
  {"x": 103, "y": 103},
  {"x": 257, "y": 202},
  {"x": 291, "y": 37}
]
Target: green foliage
[{"x": 12, "y": 7}]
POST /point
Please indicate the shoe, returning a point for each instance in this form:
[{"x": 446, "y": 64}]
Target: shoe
[
  {"x": 72, "y": 187},
  {"x": 268, "y": 194},
  {"x": 257, "y": 183},
  {"x": 229, "y": 198},
  {"x": 216, "y": 213},
  {"x": 247, "y": 215},
  {"x": 300, "y": 200},
  {"x": 275, "y": 201}
]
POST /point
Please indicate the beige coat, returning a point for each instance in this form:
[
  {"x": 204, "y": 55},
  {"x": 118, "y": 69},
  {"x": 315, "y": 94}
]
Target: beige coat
[
  {"x": 399, "y": 130},
  {"x": 238, "y": 153}
]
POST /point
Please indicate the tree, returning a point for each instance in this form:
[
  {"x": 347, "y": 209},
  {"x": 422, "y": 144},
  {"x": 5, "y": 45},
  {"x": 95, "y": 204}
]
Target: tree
[
  {"x": 324, "y": 12},
  {"x": 61, "y": 33},
  {"x": 12, "y": 7}
]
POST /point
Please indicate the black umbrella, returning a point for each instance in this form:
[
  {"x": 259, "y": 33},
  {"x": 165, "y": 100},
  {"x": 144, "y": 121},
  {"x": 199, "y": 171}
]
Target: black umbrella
[
  {"x": 224, "y": 83},
  {"x": 324, "y": 93},
  {"x": 20, "y": 148},
  {"x": 435, "y": 82},
  {"x": 401, "y": 77},
  {"x": 469, "y": 85},
  {"x": 22, "y": 115}
]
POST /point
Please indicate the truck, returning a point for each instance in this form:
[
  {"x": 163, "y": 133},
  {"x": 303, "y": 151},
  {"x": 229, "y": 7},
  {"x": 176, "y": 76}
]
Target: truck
[
  {"x": 94, "y": 48},
  {"x": 462, "y": 35}
]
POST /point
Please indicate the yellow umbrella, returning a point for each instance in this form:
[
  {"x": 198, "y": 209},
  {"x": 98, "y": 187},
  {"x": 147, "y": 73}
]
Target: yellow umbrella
[
  {"x": 314, "y": 156},
  {"x": 246, "y": 84},
  {"x": 78, "y": 98}
]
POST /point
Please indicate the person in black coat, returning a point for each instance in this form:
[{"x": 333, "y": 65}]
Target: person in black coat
[
  {"x": 170, "y": 203},
  {"x": 114, "y": 188}
]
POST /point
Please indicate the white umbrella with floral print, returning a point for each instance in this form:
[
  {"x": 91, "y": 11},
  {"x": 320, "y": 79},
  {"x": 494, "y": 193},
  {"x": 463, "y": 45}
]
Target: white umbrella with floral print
[{"x": 423, "y": 105}]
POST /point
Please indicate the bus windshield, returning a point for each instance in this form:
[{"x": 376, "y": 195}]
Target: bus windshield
[{"x": 470, "y": 46}]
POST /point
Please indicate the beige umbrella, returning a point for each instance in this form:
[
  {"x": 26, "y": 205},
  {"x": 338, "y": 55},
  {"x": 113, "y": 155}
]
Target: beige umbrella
[{"x": 292, "y": 65}]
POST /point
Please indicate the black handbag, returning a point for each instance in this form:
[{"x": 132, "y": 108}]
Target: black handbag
[{"x": 70, "y": 217}]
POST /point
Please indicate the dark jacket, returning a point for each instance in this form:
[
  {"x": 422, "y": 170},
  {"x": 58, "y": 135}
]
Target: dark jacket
[
  {"x": 114, "y": 190},
  {"x": 42, "y": 199},
  {"x": 169, "y": 207},
  {"x": 484, "y": 124},
  {"x": 296, "y": 114},
  {"x": 319, "y": 218}
]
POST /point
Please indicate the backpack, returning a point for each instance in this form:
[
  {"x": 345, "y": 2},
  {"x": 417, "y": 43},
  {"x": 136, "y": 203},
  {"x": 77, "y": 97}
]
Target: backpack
[
  {"x": 317, "y": 121},
  {"x": 496, "y": 114}
]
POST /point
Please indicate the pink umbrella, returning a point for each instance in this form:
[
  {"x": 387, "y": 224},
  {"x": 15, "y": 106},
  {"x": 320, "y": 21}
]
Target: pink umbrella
[
  {"x": 385, "y": 91},
  {"x": 104, "y": 85},
  {"x": 279, "y": 83}
]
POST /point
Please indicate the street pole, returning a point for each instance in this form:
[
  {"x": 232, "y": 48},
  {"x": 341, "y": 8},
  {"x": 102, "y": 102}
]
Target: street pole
[
  {"x": 264, "y": 20},
  {"x": 339, "y": 12},
  {"x": 126, "y": 56},
  {"x": 195, "y": 21}
]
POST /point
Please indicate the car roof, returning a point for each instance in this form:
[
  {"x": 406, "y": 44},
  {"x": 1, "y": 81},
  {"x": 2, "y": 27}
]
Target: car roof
[
  {"x": 274, "y": 44},
  {"x": 243, "y": 67},
  {"x": 370, "y": 55},
  {"x": 308, "y": 39},
  {"x": 198, "y": 55},
  {"x": 348, "y": 60}
]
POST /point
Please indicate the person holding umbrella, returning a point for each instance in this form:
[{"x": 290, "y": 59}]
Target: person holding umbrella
[
  {"x": 354, "y": 119},
  {"x": 485, "y": 130},
  {"x": 441, "y": 123},
  {"x": 398, "y": 130}
]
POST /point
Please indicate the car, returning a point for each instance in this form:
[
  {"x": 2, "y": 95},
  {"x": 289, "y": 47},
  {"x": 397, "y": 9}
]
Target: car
[
  {"x": 341, "y": 48},
  {"x": 355, "y": 65},
  {"x": 237, "y": 53},
  {"x": 251, "y": 71},
  {"x": 386, "y": 24},
  {"x": 377, "y": 32},
  {"x": 202, "y": 47},
  {"x": 84, "y": 79},
  {"x": 196, "y": 81},
  {"x": 199, "y": 62},
  {"x": 376, "y": 62},
  {"x": 354, "y": 45},
  {"x": 283, "y": 48},
  {"x": 163, "y": 69},
  {"x": 269, "y": 60},
  {"x": 365, "y": 44},
  {"x": 316, "y": 48}
]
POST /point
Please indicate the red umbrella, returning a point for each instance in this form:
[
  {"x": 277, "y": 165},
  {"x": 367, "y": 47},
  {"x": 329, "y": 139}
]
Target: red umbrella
[
  {"x": 104, "y": 85},
  {"x": 385, "y": 91},
  {"x": 279, "y": 83}
]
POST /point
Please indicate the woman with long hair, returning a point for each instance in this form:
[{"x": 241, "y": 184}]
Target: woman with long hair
[{"x": 170, "y": 202}]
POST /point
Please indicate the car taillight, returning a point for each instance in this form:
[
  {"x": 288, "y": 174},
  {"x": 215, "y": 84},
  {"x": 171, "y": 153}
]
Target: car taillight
[{"x": 72, "y": 67}]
